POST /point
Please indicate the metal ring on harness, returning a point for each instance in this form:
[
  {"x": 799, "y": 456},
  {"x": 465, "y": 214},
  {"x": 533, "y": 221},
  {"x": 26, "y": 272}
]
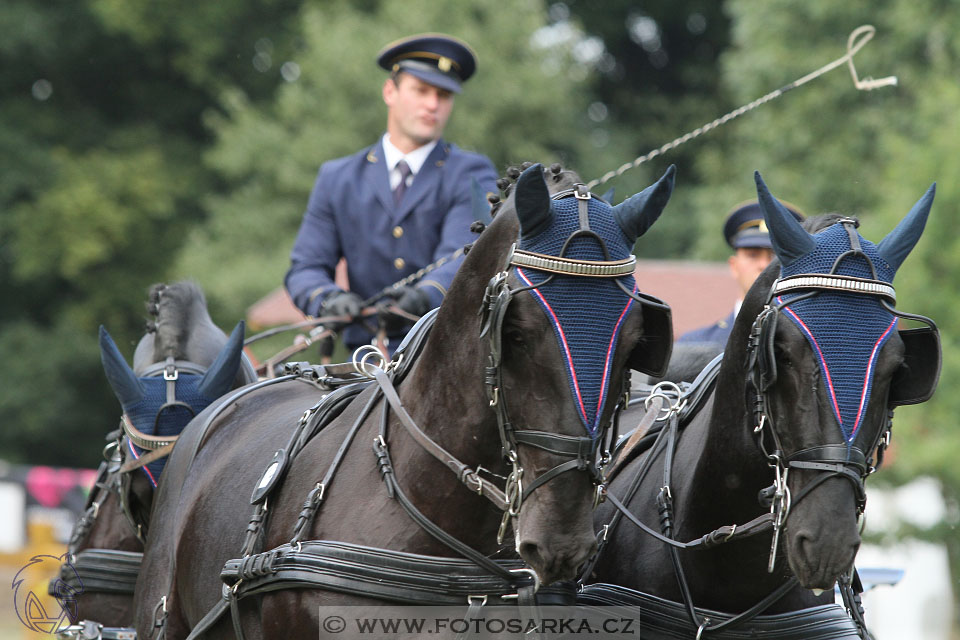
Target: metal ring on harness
[{"x": 368, "y": 351}]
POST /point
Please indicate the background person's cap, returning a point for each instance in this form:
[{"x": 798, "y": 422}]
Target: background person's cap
[
  {"x": 745, "y": 227},
  {"x": 435, "y": 58}
]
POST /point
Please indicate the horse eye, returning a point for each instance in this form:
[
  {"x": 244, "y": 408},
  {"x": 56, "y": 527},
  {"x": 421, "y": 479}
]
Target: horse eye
[
  {"x": 781, "y": 354},
  {"x": 513, "y": 336}
]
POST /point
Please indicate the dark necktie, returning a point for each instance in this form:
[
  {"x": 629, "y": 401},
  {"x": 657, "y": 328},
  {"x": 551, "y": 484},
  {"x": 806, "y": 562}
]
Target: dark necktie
[{"x": 401, "y": 188}]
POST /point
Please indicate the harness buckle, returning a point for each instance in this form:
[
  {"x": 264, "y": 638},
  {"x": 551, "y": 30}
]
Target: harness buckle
[
  {"x": 532, "y": 574},
  {"x": 759, "y": 427},
  {"x": 580, "y": 192},
  {"x": 703, "y": 626},
  {"x": 170, "y": 372},
  {"x": 599, "y": 498},
  {"x": 476, "y": 600}
]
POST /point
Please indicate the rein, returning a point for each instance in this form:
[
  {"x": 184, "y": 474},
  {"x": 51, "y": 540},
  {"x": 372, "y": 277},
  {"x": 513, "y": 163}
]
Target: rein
[{"x": 668, "y": 406}]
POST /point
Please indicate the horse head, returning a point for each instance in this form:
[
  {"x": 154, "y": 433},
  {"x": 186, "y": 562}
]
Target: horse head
[
  {"x": 828, "y": 365},
  {"x": 180, "y": 366},
  {"x": 161, "y": 400},
  {"x": 561, "y": 322}
]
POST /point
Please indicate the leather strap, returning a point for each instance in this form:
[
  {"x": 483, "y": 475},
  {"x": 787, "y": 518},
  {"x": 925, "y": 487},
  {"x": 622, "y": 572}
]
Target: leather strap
[
  {"x": 623, "y": 453},
  {"x": 468, "y": 476},
  {"x": 661, "y": 619},
  {"x": 103, "y": 571},
  {"x": 132, "y": 464},
  {"x": 396, "y": 576}
]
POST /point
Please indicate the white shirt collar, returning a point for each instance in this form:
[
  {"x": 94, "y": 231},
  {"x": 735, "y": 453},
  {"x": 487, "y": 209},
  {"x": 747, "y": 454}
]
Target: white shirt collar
[{"x": 415, "y": 158}]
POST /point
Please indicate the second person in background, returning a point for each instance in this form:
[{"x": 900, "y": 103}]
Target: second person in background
[{"x": 746, "y": 233}]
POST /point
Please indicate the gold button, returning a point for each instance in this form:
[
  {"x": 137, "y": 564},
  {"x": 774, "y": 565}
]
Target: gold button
[
  {"x": 397, "y": 232},
  {"x": 399, "y": 263}
]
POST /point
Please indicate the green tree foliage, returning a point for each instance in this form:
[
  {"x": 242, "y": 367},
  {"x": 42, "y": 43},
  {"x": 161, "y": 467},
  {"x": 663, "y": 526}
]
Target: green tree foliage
[
  {"x": 100, "y": 179},
  {"x": 144, "y": 141},
  {"x": 659, "y": 78}
]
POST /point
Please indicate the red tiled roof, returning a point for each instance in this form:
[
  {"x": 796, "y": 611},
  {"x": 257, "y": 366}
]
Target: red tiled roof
[{"x": 699, "y": 293}]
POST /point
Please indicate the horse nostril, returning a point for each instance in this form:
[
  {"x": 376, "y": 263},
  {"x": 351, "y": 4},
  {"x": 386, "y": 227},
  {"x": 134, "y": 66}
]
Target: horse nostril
[{"x": 530, "y": 551}]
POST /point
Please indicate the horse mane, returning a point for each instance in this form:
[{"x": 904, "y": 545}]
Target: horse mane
[
  {"x": 820, "y": 222},
  {"x": 179, "y": 312}
]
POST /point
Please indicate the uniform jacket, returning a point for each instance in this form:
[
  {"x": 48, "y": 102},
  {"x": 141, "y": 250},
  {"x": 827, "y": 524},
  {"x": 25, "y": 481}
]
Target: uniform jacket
[
  {"x": 351, "y": 214},
  {"x": 718, "y": 332}
]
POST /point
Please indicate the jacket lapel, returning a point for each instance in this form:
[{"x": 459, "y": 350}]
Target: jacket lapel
[
  {"x": 377, "y": 176},
  {"x": 424, "y": 182}
]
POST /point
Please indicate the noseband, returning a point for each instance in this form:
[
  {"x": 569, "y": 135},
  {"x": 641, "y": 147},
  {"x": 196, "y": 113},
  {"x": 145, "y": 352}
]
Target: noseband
[
  {"x": 584, "y": 453},
  {"x": 831, "y": 460}
]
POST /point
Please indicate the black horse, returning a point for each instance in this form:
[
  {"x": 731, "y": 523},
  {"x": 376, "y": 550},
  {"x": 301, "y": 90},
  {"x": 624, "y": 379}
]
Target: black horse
[
  {"x": 383, "y": 510},
  {"x": 804, "y": 397},
  {"x": 183, "y": 362}
]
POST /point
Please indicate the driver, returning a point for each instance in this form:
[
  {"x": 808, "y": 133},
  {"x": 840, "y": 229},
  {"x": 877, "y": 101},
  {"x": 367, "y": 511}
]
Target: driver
[{"x": 398, "y": 205}]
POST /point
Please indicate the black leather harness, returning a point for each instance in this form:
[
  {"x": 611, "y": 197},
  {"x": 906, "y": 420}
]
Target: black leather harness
[
  {"x": 399, "y": 576},
  {"x": 357, "y": 569}
]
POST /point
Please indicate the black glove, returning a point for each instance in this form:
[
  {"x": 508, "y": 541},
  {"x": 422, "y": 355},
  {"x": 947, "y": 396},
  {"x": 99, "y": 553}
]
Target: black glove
[
  {"x": 414, "y": 301},
  {"x": 341, "y": 303}
]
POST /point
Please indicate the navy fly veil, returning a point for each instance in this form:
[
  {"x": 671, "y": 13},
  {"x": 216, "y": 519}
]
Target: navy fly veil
[
  {"x": 586, "y": 313},
  {"x": 836, "y": 287},
  {"x": 157, "y": 406},
  {"x": 846, "y": 357},
  {"x": 152, "y": 418}
]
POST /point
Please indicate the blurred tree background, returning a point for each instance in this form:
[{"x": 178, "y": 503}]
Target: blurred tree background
[{"x": 144, "y": 142}]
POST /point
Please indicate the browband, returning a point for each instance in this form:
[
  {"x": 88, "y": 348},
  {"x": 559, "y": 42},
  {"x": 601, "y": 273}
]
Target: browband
[
  {"x": 836, "y": 283},
  {"x": 566, "y": 266}
]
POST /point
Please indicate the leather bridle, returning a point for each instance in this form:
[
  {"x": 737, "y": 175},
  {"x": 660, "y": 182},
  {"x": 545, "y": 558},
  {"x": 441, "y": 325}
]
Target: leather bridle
[
  {"x": 830, "y": 460},
  {"x": 585, "y": 453}
]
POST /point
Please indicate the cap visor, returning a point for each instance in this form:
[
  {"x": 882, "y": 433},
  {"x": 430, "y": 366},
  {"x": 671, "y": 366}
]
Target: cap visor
[
  {"x": 437, "y": 79},
  {"x": 753, "y": 242}
]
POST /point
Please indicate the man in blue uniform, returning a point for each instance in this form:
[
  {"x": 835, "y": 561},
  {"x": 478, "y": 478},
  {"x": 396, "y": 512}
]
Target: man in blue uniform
[
  {"x": 746, "y": 233},
  {"x": 398, "y": 205}
]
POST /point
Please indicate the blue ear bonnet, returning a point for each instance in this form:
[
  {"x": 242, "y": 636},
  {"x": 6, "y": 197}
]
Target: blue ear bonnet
[
  {"x": 586, "y": 313},
  {"x": 847, "y": 357},
  {"x": 172, "y": 420}
]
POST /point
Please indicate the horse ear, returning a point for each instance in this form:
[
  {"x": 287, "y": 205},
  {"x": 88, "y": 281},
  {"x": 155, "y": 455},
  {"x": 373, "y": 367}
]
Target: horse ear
[
  {"x": 121, "y": 377},
  {"x": 532, "y": 201},
  {"x": 639, "y": 211},
  {"x": 219, "y": 377},
  {"x": 478, "y": 203},
  {"x": 790, "y": 240},
  {"x": 900, "y": 242}
]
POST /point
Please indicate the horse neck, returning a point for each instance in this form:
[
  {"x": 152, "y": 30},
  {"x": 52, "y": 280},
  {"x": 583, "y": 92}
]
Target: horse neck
[
  {"x": 450, "y": 371},
  {"x": 111, "y": 529},
  {"x": 729, "y": 438}
]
